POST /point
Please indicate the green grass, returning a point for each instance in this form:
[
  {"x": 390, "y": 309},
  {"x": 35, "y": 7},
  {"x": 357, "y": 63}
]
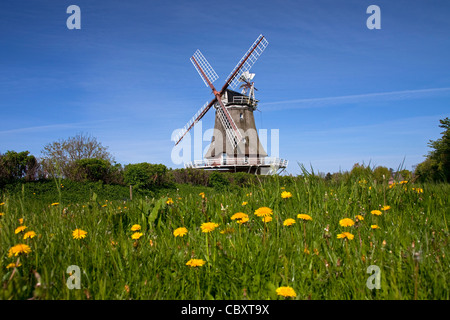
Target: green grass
[{"x": 248, "y": 261}]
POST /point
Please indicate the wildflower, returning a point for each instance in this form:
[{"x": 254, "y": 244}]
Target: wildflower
[
  {"x": 244, "y": 203},
  {"x": 55, "y": 203},
  {"x": 19, "y": 229},
  {"x": 180, "y": 232},
  {"x": 403, "y": 182},
  {"x": 418, "y": 190},
  {"x": 208, "y": 226},
  {"x": 79, "y": 234},
  {"x": 136, "y": 235},
  {"x": 288, "y": 222},
  {"x": 202, "y": 194},
  {"x": 359, "y": 217},
  {"x": 385, "y": 208},
  {"x": 346, "y": 222},
  {"x": 304, "y": 216},
  {"x": 169, "y": 201},
  {"x": 29, "y": 234},
  {"x": 239, "y": 216},
  {"x": 266, "y": 219},
  {"x": 21, "y": 221},
  {"x": 286, "y": 292},
  {"x": 2, "y": 203},
  {"x": 195, "y": 263},
  {"x": 18, "y": 249},
  {"x": 374, "y": 226},
  {"x": 263, "y": 212},
  {"x": 376, "y": 212},
  {"x": 13, "y": 265},
  {"x": 135, "y": 227},
  {"x": 344, "y": 235},
  {"x": 1, "y": 213},
  {"x": 104, "y": 205},
  {"x": 286, "y": 194},
  {"x": 228, "y": 230}
]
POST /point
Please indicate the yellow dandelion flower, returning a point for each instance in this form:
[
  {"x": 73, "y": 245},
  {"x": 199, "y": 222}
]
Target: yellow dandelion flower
[
  {"x": 202, "y": 194},
  {"x": 2, "y": 203},
  {"x": 18, "y": 249},
  {"x": 263, "y": 212},
  {"x": 79, "y": 234},
  {"x": 374, "y": 226},
  {"x": 239, "y": 216},
  {"x": 29, "y": 234},
  {"x": 244, "y": 203},
  {"x": 104, "y": 205},
  {"x": 19, "y": 229},
  {"x": 135, "y": 227},
  {"x": 243, "y": 220},
  {"x": 266, "y": 219},
  {"x": 344, "y": 235},
  {"x": 1, "y": 213},
  {"x": 286, "y": 292},
  {"x": 376, "y": 212},
  {"x": 195, "y": 263},
  {"x": 13, "y": 265},
  {"x": 288, "y": 222},
  {"x": 286, "y": 194},
  {"x": 136, "y": 235},
  {"x": 346, "y": 222},
  {"x": 180, "y": 232},
  {"x": 304, "y": 216},
  {"x": 55, "y": 203},
  {"x": 359, "y": 217},
  {"x": 385, "y": 208},
  {"x": 208, "y": 226},
  {"x": 169, "y": 201},
  {"x": 21, "y": 221}
]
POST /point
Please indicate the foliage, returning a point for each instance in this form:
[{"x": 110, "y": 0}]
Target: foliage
[
  {"x": 60, "y": 156},
  {"x": 18, "y": 165},
  {"x": 145, "y": 175},
  {"x": 436, "y": 167},
  {"x": 95, "y": 170},
  {"x": 217, "y": 180}
]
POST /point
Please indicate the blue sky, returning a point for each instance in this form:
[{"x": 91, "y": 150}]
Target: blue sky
[{"x": 338, "y": 92}]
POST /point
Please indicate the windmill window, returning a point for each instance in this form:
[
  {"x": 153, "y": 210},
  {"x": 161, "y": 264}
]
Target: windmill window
[{"x": 241, "y": 116}]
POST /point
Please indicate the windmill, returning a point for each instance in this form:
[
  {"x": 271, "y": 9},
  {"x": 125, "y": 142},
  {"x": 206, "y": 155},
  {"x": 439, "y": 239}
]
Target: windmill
[{"x": 235, "y": 145}]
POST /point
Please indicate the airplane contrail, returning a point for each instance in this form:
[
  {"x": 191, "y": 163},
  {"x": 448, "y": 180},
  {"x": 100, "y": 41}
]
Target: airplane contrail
[{"x": 329, "y": 101}]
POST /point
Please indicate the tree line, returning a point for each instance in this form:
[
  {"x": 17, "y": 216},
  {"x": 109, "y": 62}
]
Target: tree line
[{"x": 82, "y": 158}]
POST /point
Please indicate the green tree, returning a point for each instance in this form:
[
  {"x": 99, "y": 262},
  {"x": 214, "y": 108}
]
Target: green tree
[
  {"x": 145, "y": 175},
  {"x": 381, "y": 173},
  {"x": 18, "y": 165},
  {"x": 59, "y": 157},
  {"x": 436, "y": 167}
]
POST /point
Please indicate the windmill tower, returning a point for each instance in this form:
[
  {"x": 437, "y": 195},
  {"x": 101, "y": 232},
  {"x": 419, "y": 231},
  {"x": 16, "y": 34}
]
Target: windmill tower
[{"x": 235, "y": 145}]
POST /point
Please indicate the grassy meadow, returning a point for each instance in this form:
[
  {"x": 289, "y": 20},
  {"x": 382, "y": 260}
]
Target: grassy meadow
[{"x": 325, "y": 257}]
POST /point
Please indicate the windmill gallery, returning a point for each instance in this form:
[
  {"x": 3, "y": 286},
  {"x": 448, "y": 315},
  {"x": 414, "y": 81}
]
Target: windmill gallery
[{"x": 235, "y": 144}]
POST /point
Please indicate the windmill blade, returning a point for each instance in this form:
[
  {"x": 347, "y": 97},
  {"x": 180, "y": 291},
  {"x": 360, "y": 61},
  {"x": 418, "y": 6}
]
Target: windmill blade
[
  {"x": 200, "y": 113},
  {"x": 203, "y": 68},
  {"x": 247, "y": 61},
  {"x": 231, "y": 130}
]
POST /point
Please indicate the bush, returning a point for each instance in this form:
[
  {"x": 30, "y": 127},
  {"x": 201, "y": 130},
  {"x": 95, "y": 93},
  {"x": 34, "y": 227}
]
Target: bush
[
  {"x": 218, "y": 181},
  {"x": 145, "y": 175},
  {"x": 96, "y": 170}
]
